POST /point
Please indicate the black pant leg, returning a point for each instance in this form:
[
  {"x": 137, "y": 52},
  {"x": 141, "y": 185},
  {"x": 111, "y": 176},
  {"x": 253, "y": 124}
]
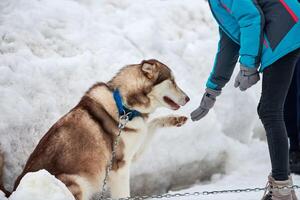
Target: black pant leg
[
  {"x": 290, "y": 114},
  {"x": 276, "y": 82},
  {"x": 297, "y": 72}
]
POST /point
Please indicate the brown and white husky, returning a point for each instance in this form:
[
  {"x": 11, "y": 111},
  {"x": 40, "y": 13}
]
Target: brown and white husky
[{"x": 78, "y": 147}]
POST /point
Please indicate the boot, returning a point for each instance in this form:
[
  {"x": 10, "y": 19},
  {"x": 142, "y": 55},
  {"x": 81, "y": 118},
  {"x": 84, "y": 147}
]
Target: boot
[
  {"x": 295, "y": 162},
  {"x": 277, "y": 190}
]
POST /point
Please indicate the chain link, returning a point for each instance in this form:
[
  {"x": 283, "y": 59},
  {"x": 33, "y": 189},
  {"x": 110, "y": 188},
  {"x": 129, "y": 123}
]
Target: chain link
[
  {"x": 204, "y": 193},
  {"x": 123, "y": 120}
]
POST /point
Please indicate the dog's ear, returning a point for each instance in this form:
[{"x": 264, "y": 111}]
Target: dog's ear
[{"x": 149, "y": 69}]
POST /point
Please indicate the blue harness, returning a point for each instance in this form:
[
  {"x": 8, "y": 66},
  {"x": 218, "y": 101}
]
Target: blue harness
[{"x": 122, "y": 109}]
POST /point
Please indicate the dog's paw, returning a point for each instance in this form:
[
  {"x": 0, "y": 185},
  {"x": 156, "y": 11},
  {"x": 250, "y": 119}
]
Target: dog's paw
[{"x": 178, "y": 121}]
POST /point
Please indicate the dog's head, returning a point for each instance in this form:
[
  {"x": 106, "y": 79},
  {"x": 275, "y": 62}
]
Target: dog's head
[
  {"x": 149, "y": 85},
  {"x": 164, "y": 88}
]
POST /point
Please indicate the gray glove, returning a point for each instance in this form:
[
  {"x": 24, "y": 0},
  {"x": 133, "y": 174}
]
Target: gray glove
[
  {"x": 246, "y": 78},
  {"x": 207, "y": 102}
]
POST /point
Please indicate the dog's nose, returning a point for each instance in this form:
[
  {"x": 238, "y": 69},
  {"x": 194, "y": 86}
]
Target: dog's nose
[{"x": 187, "y": 99}]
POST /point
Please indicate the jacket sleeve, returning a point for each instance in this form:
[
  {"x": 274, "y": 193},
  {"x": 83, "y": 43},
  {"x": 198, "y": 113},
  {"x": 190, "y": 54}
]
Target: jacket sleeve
[
  {"x": 225, "y": 61},
  {"x": 250, "y": 19}
]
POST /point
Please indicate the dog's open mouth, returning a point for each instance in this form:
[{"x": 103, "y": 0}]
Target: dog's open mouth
[{"x": 171, "y": 103}]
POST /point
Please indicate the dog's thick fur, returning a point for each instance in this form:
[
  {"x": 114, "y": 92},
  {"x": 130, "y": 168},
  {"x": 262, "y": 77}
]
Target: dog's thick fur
[
  {"x": 1, "y": 174},
  {"x": 78, "y": 147}
]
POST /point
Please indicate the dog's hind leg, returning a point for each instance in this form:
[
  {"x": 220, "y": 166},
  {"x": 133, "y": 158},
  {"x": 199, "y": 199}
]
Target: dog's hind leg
[
  {"x": 72, "y": 185},
  {"x": 119, "y": 182},
  {"x": 161, "y": 122}
]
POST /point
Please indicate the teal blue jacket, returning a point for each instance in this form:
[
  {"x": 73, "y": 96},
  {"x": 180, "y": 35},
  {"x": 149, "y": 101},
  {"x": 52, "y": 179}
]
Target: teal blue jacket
[{"x": 258, "y": 32}]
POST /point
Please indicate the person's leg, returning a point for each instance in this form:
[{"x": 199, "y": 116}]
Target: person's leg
[
  {"x": 298, "y": 98},
  {"x": 290, "y": 115},
  {"x": 291, "y": 112},
  {"x": 275, "y": 85}
]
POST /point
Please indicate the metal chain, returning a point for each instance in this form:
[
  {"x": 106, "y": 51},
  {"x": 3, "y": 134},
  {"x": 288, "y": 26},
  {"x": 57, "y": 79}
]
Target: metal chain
[
  {"x": 204, "y": 193},
  {"x": 123, "y": 120}
]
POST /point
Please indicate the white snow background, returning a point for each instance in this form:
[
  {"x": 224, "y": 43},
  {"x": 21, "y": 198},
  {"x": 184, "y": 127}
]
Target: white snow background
[{"x": 51, "y": 52}]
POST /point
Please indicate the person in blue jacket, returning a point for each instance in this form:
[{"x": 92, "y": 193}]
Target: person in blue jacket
[
  {"x": 292, "y": 120},
  {"x": 265, "y": 36}
]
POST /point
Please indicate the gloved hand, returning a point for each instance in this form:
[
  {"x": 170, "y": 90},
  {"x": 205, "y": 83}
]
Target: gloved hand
[
  {"x": 246, "y": 78},
  {"x": 207, "y": 102}
]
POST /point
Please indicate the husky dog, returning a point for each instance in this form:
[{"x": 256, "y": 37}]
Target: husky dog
[
  {"x": 1, "y": 173},
  {"x": 78, "y": 147}
]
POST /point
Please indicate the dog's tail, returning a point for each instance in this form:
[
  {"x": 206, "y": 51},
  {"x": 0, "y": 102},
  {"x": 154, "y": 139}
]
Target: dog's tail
[{"x": 7, "y": 193}]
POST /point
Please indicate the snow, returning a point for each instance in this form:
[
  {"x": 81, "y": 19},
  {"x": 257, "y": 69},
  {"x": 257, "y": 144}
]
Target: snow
[
  {"x": 2, "y": 196},
  {"x": 41, "y": 185},
  {"x": 51, "y": 52},
  {"x": 251, "y": 166}
]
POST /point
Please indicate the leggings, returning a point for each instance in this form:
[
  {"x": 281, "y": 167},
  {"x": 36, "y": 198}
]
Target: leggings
[
  {"x": 292, "y": 111},
  {"x": 275, "y": 85}
]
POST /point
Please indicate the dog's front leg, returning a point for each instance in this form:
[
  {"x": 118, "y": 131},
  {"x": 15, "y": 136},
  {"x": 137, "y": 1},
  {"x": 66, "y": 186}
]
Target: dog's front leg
[
  {"x": 119, "y": 182},
  {"x": 168, "y": 121}
]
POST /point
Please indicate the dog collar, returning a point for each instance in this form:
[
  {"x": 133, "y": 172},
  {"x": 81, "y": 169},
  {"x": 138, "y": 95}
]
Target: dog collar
[{"x": 122, "y": 109}]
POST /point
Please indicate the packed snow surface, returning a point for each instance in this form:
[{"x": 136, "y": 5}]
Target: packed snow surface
[
  {"x": 251, "y": 169},
  {"x": 51, "y": 52}
]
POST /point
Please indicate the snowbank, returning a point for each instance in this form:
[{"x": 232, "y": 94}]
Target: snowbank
[
  {"x": 2, "y": 196},
  {"x": 52, "y": 51},
  {"x": 40, "y": 185}
]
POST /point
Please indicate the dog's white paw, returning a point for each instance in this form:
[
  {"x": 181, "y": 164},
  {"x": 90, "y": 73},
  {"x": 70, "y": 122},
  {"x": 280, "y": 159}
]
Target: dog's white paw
[{"x": 177, "y": 121}]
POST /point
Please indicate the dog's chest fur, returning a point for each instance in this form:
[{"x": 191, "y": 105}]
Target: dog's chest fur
[
  {"x": 133, "y": 140},
  {"x": 133, "y": 135}
]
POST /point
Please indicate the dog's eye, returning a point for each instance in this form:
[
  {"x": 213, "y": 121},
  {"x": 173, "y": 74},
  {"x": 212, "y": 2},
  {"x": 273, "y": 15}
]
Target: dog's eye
[
  {"x": 173, "y": 81},
  {"x": 159, "y": 79}
]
